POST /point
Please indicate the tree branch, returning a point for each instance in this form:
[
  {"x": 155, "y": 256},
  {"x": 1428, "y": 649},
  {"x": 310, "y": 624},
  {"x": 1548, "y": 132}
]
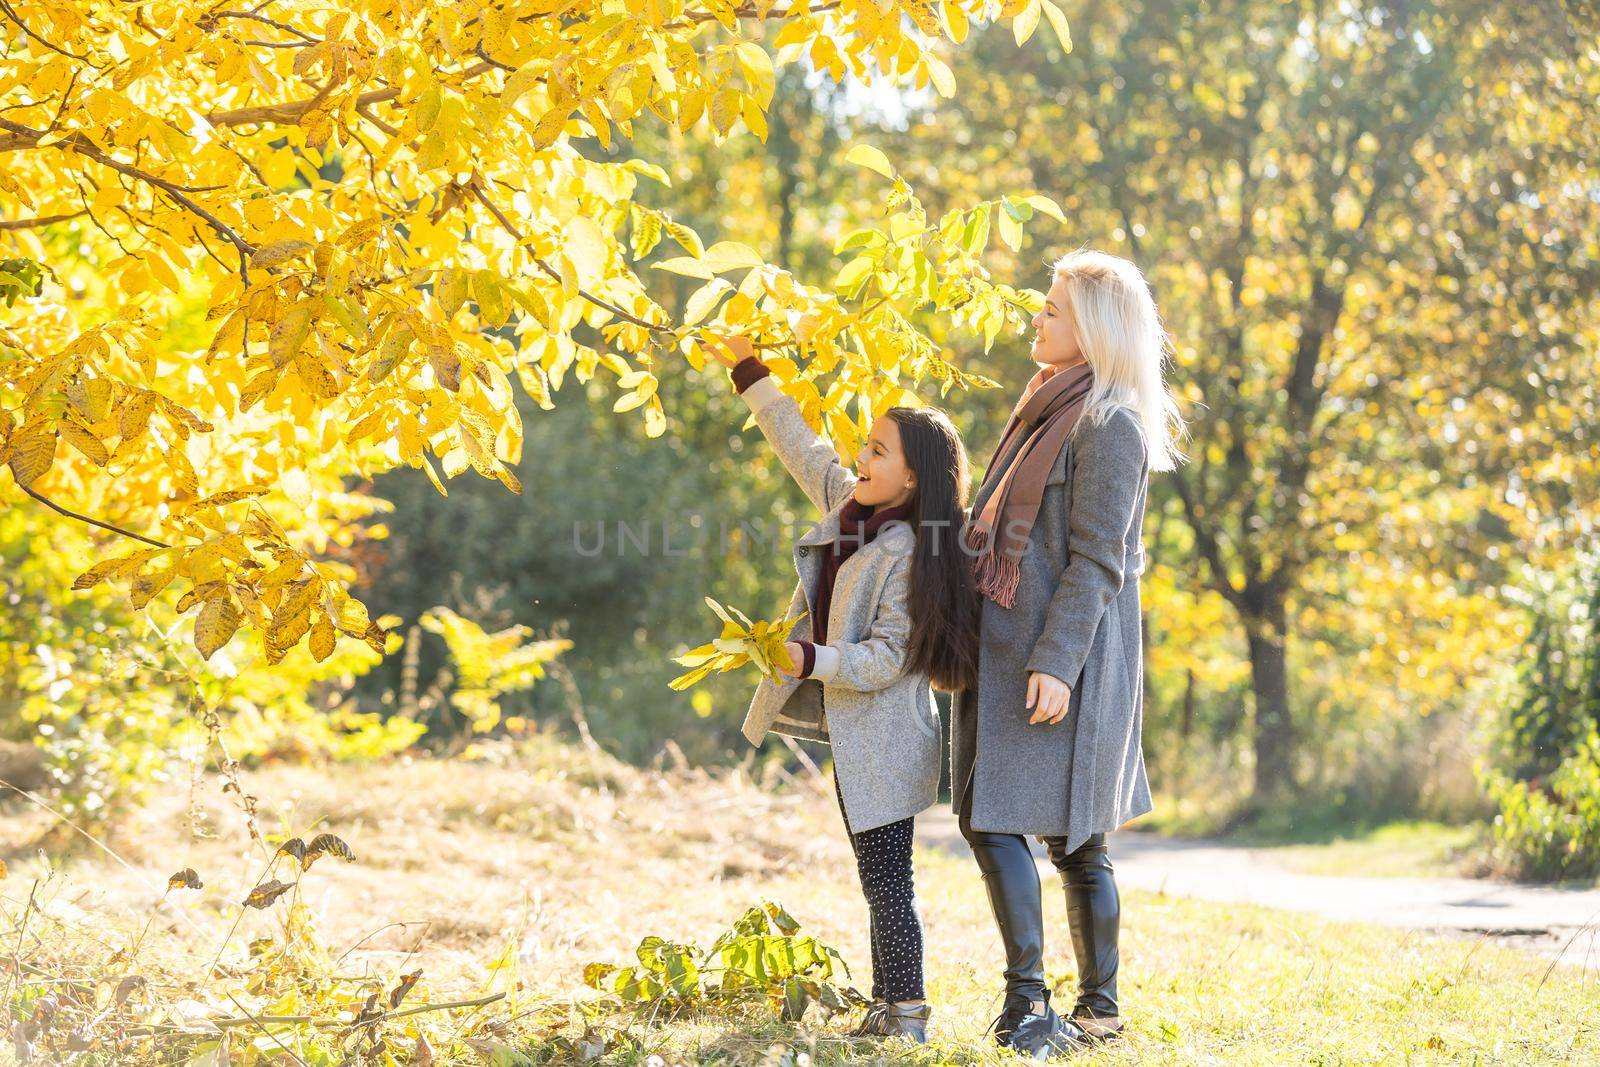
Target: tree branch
[
  {"x": 1209, "y": 548},
  {"x": 77, "y": 142},
  {"x": 251, "y": 15},
  {"x": 43, "y": 220},
  {"x": 516, "y": 235},
  {"x": 47, "y": 502}
]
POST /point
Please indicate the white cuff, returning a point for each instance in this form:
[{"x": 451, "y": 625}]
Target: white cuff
[
  {"x": 825, "y": 664},
  {"x": 761, "y": 392}
]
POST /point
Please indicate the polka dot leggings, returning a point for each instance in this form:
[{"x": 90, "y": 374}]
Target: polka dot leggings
[{"x": 883, "y": 862}]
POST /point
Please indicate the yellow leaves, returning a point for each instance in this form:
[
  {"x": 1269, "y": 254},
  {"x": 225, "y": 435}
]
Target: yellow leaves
[
  {"x": 1058, "y": 23},
  {"x": 643, "y": 386},
  {"x": 323, "y": 342},
  {"x": 91, "y": 397},
  {"x": 490, "y": 293},
  {"x": 704, "y": 300},
  {"x": 488, "y": 665},
  {"x": 425, "y": 112},
  {"x": 550, "y": 126},
  {"x": 446, "y": 365},
  {"x": 646, "y": 231},
  {"x": 587, "y": 249},
  {"x": 740, "y": 642},
  {"x": 258, "y": 387},
  {"x": 756, "y": 66},
  {"x": 366, "y": 426},
  {"x": 360, "y": 233},
  {"x": 323, "y": 639},
  {"x": 390, "y": 353},
  {"x": 289, "y": 333},
  {"x": 725, "y": 110},
  {"x": 219, "y": 620},
  {"x": 30, "y": 451},
  {"x": 120, "y": 567},
  {"x": 954, "y": 21},
  {"x": 278, "y": 252},
  {"x": 150, "y": 583},
  {"x": 719, "y": 258},
  {"x": 643, "y": 393},
  {"x": 1024, "y": 24},
  {"x": 451, "y": 291},
  {"x": 865, "y": 155},
  {"x": 944, "y": 80}
]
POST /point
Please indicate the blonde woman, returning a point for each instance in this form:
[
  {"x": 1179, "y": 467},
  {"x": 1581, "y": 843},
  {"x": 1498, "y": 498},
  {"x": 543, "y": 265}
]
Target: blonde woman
[{"x": 1048, "y": 742}]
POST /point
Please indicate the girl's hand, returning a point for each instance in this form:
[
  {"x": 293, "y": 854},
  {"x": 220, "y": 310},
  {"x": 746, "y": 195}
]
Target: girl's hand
[
  {"x": 1049, "y": 698},
  {"x": 729, "y": 350},
  {"x": 796, "y": 659}
]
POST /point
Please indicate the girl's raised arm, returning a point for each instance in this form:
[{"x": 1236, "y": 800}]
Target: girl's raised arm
[{"x": 811, "y": 460}]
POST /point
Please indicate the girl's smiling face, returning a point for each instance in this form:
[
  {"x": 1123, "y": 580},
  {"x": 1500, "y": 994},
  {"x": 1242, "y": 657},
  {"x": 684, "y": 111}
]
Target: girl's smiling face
[
  {"x": 883, "y": 478},
  {"x": 1055, "y": 336}
]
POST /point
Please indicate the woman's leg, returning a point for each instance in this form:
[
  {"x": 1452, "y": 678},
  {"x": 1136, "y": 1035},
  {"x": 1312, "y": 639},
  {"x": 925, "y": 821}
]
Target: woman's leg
[
  {"x": 1094, "y": 911},
  {"x": 1013, "y": 884}
]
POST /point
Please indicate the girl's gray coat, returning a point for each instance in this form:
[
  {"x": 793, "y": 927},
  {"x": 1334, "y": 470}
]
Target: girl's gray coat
[
  {"x": 1076, "y": 616},
  {"x": 882, "y": 723}
]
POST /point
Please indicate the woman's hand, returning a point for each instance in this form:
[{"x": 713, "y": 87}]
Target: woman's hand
[
  {"x": 1049, "y": 698},
  {"x": 729, "y": 350},
  {"x": 796, "y": 659}
]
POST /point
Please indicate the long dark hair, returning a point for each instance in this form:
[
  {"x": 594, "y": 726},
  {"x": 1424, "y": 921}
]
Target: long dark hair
[{"x": 944, "y": 598}]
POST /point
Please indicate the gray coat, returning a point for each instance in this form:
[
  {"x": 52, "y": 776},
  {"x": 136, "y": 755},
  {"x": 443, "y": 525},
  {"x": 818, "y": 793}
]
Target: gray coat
[
  {"x": 1076, "y": 617},
  {"x": 882, "y": 723}
]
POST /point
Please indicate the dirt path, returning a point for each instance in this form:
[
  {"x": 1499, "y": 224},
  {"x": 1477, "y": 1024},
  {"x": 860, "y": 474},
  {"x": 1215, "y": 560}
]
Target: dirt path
[{"x": 1563, "y": 924}]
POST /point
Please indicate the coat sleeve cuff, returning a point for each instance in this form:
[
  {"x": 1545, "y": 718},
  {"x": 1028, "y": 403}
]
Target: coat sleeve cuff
[
  {"x": 760, "y": 394},
  {"x": 747, "y": 372},
  {"x": 826, "y": 664}
]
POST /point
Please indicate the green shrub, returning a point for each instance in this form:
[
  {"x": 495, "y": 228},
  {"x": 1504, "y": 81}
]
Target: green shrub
[
  {"x": 1548, "y": 828},
  {"x": 762, "y": 958}
]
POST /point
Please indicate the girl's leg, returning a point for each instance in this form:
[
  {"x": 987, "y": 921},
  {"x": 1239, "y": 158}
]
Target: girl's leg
[
  {"x": 883, "y": 860},
  {"x": 1094, "y": 911},
  {"x": 872, "y": 918}
]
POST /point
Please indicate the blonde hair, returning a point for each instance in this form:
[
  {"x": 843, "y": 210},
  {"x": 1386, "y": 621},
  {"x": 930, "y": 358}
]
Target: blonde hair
[{"x": 1120, "y": 333}]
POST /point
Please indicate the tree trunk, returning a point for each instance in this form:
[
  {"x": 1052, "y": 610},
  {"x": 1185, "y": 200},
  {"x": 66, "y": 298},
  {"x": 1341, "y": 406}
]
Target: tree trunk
[{"x": 1269, "y": 681}]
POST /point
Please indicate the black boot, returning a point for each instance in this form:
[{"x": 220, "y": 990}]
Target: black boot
[
  {"x": 1094, "y": 912},
  {"x": 1012, "y": 881}
]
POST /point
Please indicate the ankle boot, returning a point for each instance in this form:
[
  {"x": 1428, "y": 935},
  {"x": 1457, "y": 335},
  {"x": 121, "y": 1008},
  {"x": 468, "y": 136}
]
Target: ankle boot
[
  {"x": 1041, "y": 1034},
  {"x": 885, "y": 1019},
  {"x": 1094, "y": 913}
]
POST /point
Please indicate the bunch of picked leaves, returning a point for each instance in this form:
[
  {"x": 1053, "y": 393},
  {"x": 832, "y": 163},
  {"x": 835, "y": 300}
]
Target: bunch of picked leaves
[
  {"x": 741, "y": 642},
  {"x": 763, "y": 958}
]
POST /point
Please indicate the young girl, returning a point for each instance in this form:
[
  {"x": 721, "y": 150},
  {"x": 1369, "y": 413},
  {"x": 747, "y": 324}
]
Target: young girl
[
  {"x": 892, "y": 611},
  {"x": 1048, "y": 741}
]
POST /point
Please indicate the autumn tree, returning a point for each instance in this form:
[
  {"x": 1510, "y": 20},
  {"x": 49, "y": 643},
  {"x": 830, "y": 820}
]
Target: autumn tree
[
  {"x": 387, "y": 213},
  {"x": 1373, "y": 232}
]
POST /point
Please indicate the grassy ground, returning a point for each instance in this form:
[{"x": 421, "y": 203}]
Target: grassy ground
[{"x": 512, "y": 872}]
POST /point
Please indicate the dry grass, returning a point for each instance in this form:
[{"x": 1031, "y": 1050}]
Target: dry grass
[{"x": 559, "y": 858}]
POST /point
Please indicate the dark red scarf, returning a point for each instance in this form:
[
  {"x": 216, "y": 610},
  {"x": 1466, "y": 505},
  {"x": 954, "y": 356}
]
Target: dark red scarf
[{"x": 858, "y": 525}]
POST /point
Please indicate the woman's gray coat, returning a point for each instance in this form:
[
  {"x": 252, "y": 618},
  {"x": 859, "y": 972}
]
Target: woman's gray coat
[
  {"x": 883, "y": 724},
  {"x": 1076, "y": 616}
]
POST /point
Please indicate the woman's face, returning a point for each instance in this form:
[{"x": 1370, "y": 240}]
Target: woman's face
[
  {"x": 1055, "y": 336},
  {"x": 883, "y": 479}
]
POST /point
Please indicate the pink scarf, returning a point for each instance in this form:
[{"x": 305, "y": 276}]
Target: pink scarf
[{"x": 1043, "y": 418}]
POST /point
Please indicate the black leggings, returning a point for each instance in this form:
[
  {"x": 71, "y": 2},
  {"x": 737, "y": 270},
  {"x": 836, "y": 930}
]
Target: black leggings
[{"x": 883, "y": 862}]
